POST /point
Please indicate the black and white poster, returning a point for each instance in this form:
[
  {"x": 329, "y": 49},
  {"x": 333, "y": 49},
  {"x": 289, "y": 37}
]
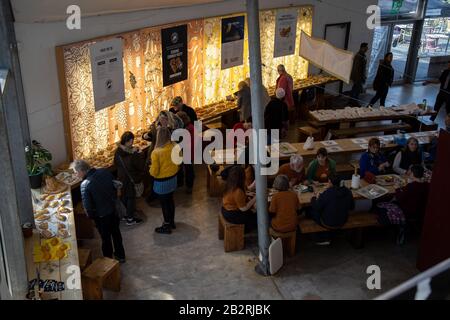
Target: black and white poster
[
  {"x": 174, "y": 54},
  {"x": 285, "y": 32},
  {"x": 232, "y": 54},
  {"x": 107, "y": 73}
]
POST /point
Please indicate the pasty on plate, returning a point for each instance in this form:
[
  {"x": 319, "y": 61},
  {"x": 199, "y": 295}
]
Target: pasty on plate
[
  {"x": 47, "y": 234},
  {"x": 63, "y": 233}
]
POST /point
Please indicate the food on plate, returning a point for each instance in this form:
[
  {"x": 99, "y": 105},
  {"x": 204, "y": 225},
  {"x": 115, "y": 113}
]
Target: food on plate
[
  {"x": 45, "y": 205},
  {"x": 64, "y": 210},
  {"x": 60, "y": 254},
  {"x": 52, "y": 184},
  {"x": 43, "y": 226},
  {"x": 46, "y": 256},
  {"x": 41, "y": 212},
  {"x": 63, "y": 247},
  {"x": 50, "y": 197},
  {"x": 42, "y": 217},
  {"x": 47, "y": 234},
  {"x": 61, "y": 226},
  {"x": 63, "y": 233},
  {"x": 54, "y": 242},
  {"x": 61, "y": 195},
  {"x": 61, "y": 217},
  {"x": 54, "y": 204}
]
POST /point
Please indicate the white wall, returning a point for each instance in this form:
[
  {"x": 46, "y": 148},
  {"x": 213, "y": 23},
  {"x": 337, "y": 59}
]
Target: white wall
[{"x": 37, "y": 43}]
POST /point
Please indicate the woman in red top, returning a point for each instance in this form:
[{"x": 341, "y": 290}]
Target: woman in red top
[{"x": 286, "y": 82}]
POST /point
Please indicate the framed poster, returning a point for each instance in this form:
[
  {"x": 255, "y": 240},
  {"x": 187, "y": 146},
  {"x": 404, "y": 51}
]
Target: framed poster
[
  {"x": 232, "y": 53},
  {"x": 107, "y": 72},
  {"x": 285, "y": 32},
  {"x": 174, "y": 54}
]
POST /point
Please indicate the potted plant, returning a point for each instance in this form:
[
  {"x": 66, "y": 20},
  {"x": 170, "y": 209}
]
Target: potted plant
[{"x": 38, "y": 163}]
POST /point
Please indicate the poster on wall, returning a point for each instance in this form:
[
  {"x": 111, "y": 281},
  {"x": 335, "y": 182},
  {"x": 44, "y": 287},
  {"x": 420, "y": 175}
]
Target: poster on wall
[
  {"x": 107, "y": 72},
  {"x": 174, "y": 54},
  {"x": 232, "y": 54},
  {"x": 285, "y": 32}
]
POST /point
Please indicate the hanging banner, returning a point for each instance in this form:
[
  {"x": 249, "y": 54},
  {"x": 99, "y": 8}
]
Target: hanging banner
[
  {"x": 107, "y": 72},
  {"x": 174, "y": 54},
  {"x": 322, "y": 54},
  {"x": 285, "y": 32},
  {"x": 232, "y": 54}
]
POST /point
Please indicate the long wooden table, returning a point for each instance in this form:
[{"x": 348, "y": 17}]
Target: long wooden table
[
  {"x": 56, "y": 270},
  {"x": 349, "y": 146}
]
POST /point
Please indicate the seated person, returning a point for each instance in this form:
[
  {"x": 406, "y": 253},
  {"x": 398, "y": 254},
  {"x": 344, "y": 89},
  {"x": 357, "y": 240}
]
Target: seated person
[
  {"x": 250, "y": 177},
  {"x": 410, "y": 155},
  {"x": 412, "y": 198},
  {"x": 372, "y": 161},
  {"x": 331, "y": 208},
  {"x": 235, "y": 208},
  {"x": 283, "y": 207},
  {"x": 321, "y": 168},
  {"x": 294, "y": 170}
]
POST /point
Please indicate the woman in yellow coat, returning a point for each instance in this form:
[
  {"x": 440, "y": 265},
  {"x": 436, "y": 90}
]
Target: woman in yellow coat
[{"x": 164, "y": 171}]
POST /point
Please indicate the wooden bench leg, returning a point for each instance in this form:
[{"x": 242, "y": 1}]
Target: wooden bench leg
[
  {"x": 92, "y": 289},
  {"x": 220, "y": 227},
  {"x": 234, "y": 238},
  {"x": 113, "y": 280}
]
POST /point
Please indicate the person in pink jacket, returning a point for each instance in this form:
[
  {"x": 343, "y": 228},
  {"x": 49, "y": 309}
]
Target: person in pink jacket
[{"x": 286, "y": 82}]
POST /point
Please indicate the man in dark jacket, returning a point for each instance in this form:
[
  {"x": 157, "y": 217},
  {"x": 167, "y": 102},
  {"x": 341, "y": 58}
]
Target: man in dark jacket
[
  {"x": 99, "y": 195},
  {"x": 178, "y": 105},
  {"x": 358, "y": 74},
  {"x": 276, "y": 112},
  {"x": 331, "y": 208},
  {"x": 444, "y": 92}
]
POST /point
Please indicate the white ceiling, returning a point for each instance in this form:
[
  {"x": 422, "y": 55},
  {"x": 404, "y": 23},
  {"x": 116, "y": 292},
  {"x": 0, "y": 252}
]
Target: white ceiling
[{"x": 29, "y": 11}]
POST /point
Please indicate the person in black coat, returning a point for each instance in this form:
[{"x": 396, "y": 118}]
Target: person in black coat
[
  {"x": 276, "y": 113},
  {"x": 383, "y": 80},
  {"x": 130, "y": 171},
  {"x": 331, "y": 208},
  {"x": 99, "y": 195},
  {"x": 178, "y": 105},
  {"x": 443, "y": 96}
]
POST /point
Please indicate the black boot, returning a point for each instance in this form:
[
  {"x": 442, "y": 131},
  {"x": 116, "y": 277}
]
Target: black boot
[{"x": 165, "y": 229}]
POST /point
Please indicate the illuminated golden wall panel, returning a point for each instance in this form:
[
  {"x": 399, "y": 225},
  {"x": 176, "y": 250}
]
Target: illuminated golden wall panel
[{"x": 145, "y": 95}]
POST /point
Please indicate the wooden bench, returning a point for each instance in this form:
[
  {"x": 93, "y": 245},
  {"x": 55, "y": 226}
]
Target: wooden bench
[
  {"x": 385, "y": 128},
  {"x": 288, "y": 239},
  {"x": 102, "y": 273},
  {"x": 306, "y": 131},
  {"x": 85, "y": 258},
  {"x": 214, "y": 183},
  {"x": 356, "y": 220},
  {"x": 231, "y": 234},
  {"x": 344, "y": 168}
]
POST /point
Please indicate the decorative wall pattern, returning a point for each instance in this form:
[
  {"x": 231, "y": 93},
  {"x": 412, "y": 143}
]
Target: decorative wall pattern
[{"x": 92, "y": 131}]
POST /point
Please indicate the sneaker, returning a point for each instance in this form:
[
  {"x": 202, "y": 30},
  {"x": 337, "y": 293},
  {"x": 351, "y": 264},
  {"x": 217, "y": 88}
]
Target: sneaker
[
  {"x": 323, "y": 243},
  {"x": 121, "y": 260},
  {"x": 165, "y": 229},
  {"x": 133, "y": 221},
  {"x": 173, "y": 226}
]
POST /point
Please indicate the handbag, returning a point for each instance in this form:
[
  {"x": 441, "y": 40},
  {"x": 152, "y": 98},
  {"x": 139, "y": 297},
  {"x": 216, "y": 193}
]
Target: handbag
[{"x": 138, "y": 187}]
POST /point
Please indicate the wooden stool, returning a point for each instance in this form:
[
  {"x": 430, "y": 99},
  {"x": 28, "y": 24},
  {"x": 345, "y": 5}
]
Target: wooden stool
[
  {"x": 232, "y": 235},
  {"x": 84, "y": 257},
  {"x": 103, "y": 273},
  {"x": 305, "y": 132},
  {"x": 288, "y": 239}
]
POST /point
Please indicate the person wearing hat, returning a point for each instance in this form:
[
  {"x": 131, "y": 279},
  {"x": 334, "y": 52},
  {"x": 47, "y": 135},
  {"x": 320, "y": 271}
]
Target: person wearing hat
[
  {"x": 178, "y": 105},
  {"x": 276, "y": 112}
]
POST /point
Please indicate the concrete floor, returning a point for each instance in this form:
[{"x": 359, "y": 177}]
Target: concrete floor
[{"x": 191, "y": 264}]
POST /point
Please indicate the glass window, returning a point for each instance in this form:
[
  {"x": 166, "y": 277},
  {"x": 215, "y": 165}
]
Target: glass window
[
  {"x": 438, "y": 8},
  {"x": 378, "y": 50},
  {"x": 398, "y": 8}
]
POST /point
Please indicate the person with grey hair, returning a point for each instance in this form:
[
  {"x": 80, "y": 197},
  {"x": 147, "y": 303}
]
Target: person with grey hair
[
  {"x": 294, "y": 170},
  {"x": 99, "y": 195},
  {"x": 244, "y": 101},
  {"x": 283, "y": 206}
]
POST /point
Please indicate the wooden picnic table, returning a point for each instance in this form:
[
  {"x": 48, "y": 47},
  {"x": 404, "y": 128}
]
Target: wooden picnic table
[{"x": 57, "y": 270}]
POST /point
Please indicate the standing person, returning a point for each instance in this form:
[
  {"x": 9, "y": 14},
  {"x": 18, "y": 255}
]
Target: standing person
[
  {"x": 130, "y": 171},
  {"x": 164, "y": 173},
  {"x": 330, "y": 209},
  {"x": 372, "y": 161},
  {"x": 444, "y": 92},
  {"x": 286, "y": 82},
  {"x": 276, "y": 113},
  {"x": 283, "y": 206},
  {"x": 265, "y": 97},
  {"x": 321, "y": 168},
  {"x": 244, "y": 101},
  {"x": 99, "y": 195},
  {"x": 235, "y": 207},
  {"x": 409, "y": 156},
  {"x": 359, "y": 74},
  {"x": 188, "y": 167},
  {"x": 178, "y": 105},
  {"x": 383, "y": 80}
]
